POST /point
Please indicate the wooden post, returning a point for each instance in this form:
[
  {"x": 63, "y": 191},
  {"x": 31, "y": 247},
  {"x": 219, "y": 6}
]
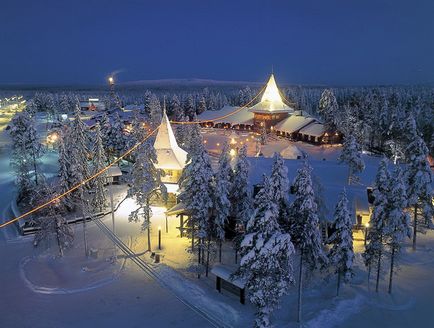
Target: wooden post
[
  {"x": 181, "y": 224},
  {"x": 218, "y": 284},
  {"x": 242, "y": 295}
]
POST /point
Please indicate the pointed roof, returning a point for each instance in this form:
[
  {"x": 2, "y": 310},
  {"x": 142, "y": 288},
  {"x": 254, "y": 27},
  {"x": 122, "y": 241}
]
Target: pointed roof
[
  {"x": 169, "y": 155},
  {"x": 271, "y": 100}
]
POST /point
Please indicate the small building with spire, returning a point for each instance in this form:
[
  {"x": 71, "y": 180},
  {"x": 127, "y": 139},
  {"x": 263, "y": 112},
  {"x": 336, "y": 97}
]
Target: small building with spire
[{"x": 171, "y": 158}]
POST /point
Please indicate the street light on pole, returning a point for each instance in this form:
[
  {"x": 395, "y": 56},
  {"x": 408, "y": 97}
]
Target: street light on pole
[{"x": 366, "y": 231}]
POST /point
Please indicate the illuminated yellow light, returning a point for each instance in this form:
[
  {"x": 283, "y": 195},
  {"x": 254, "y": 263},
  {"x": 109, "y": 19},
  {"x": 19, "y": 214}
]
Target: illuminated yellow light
[
  {"x": 232, "y": 152},
  {"x": 218, "y": 144},
  {"x": 159, "y": 228},
  {"x": 247, "y": 140},
  {"x": 111, "y": 80},
  {"x": 233, "y": 141},
  {"x": 271, "y": 92},
  {"x": 367, "y": 224},
  {"x": 205, "y": 141}
]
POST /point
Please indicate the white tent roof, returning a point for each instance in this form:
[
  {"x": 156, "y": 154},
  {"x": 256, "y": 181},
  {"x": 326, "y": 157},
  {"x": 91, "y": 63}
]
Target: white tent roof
[
  {"x": 169, "y": 155},
  {"x": 271, "y": 100}
]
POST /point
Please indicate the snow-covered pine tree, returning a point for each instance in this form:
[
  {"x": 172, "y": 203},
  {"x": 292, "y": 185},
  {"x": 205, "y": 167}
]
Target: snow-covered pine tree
[
  {"x": 305, "y": 231},
  {"x": 341, "y": 254},
  {"x": 77, "y": 145},
  {"x": 280, "y": 185},
  {"x": 189, "y": 108},
  {"x": 147, "y": 103},
  {"x": 241, "y": 197},
  {"x": 375, "y": 248},
  {"x": 201, "y": 105},
  {"x": 182, "y": 131},
  {"x": 176, "y": 111},
  {"x": 26, "y": 151},
  {"x": 156, "y": 113},
  {"x": 51, "y": 221},
  {"x": 145, "y": 185},
  {"x": 352, "y": 157},
  {"x": 419, "y": 185},
  {"x": 118, "y": 140},
  {"x": 64, "y": 168},
  {"x": 398, "y": 220},
  {"x": 194, "y": 140},
  {"x": 223, "y": 184},
  {"x": 106, "y": 127},
  {"x": 328, "y": 109},
  {"x": 99, "y": 162},
  {"x": 196, "y": 193},
  {"x": 266, "y": 263}
]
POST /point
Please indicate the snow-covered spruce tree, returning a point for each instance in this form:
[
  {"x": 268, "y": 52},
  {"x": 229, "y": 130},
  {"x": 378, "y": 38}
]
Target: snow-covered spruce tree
[
  {"x": 51, "y": 221},
  {"x": 223, "y": 181},
  {"x": 64, "y": 169},
  {"x": 341, "y": 254},
  {"x": 194, "y": 140},
  {"x": 280, "y": 185},
  {"x": 26, "y": 152},
  {"x": 328, "y": 109},
  {"x": 352, "y": 157},
  {"x": 419, "y": 185},
  {"x": 266, "y": 262},
  {"x": 196, "y": 192},
  {"x": 118, "y": 139},
  {"x": 189, "y": 107},
  {"x": 241, "y": 197},
  {"x": 145, "y": 184},
  {"x": 155, "y": 114},
  {"x": 175, "y": 110},
  {"x": 182, "y": 131},
  {"x": 305, "y": 231},
  {"x": 375, "y": 248},
  {"x": 201, "y": 105},
  {"x": 99, "y": 162},
  {"x": 105, "y": 126},
  {"x": 76, "y": 144},
  {"x": 398, "y": 220},
  {"x": 147, "y": 100}
]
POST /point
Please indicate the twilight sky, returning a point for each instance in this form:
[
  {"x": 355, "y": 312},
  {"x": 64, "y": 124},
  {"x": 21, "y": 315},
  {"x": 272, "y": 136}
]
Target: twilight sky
[{"x": 335, "y": 42}]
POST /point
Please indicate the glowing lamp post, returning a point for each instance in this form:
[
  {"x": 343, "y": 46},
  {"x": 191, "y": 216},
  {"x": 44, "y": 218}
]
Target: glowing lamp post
[
  {"x": 366, "y": 231},
  {"x": 111, "y": 80},
  {"x": 159, "y": 237}
]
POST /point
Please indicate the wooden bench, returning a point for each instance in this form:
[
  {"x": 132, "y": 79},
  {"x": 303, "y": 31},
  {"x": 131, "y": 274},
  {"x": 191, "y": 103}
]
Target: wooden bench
[{"x": 224, "y": 281}]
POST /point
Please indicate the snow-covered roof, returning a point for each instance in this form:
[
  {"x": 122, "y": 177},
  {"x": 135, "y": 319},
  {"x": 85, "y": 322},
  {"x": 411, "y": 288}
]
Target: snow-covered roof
[
  {"x": 169, "y": 155},
  {"x": 314, "y": 129},
  {"x": 242, "y": 116},
  {"x": 293, "y": 123},
  {"x": 271, "y": 100},
  {"x": 225, "y": 273},
  {"x": 114, "y": 171}
]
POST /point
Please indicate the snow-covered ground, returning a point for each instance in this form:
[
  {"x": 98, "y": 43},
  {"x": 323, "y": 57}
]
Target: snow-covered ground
[{"x": 38, "y": 290}]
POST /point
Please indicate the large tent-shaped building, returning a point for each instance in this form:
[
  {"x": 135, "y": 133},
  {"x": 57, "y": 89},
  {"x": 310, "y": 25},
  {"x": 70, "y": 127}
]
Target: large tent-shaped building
[{"x": 271, "y": 109}]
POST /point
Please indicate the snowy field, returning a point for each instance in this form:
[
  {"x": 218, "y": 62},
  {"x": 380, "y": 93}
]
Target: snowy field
[{"x": 38, "y": 290}]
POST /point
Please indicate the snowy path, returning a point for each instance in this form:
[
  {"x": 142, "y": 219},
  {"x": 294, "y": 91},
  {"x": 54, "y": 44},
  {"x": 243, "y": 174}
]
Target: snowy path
[{"x": 165, "y": 278}]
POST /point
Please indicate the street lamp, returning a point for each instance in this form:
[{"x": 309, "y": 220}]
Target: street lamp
[
  {"x": 366, "y": 231},
  {"x": 111, "y": 80}
]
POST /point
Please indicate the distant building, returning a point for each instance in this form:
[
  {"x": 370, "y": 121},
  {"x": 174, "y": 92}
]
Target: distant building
[
  {"x": 92, "y": 104},
  {"x": 276, "y": 114}
]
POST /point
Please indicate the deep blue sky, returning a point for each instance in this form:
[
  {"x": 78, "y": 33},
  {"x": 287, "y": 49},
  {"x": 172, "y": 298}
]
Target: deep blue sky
[{"x": 307, "y": 42}]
